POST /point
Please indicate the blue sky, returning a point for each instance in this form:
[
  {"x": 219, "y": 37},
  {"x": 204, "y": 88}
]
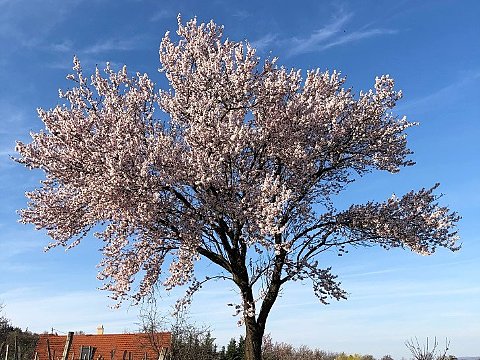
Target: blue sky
[{"x": 431, "y": 48}]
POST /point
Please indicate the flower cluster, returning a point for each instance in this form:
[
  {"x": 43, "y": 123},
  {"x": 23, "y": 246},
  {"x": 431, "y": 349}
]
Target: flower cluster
[{"x": 234, "y": 156}]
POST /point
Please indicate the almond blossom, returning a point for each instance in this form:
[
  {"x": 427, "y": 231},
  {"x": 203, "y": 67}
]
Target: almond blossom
[{"x": 238, "y": 162}]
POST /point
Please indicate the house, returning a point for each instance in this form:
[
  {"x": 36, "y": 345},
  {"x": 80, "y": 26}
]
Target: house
[{"x": 138, "y": 346}]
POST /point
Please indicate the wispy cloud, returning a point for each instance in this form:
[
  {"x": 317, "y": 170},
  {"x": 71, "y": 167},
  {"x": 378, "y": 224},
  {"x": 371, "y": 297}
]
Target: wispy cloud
[
  {"x": 445, "y": 94},
  {"x": 337, "y": 32},
  {"x": 241, "y": 14},
  {"x": 334, "y": 34},
  {"x": 319, "y": 37},
  {"x": 357, "y": 35},
  {"x": 14, "y": 244},
  {"x": 64, "y": 46},
  {"x": 13, "y": 253},
  {"x": 119, "y": 44},
  {"x": 25, "y": 30},
  {"x": 161, "y": 15},
  {"x": 264, "y": 42},
  {"x": 15, "y": 121},
  {"x": 370, "y": 273},
  {"x": 41, "y": 310}
]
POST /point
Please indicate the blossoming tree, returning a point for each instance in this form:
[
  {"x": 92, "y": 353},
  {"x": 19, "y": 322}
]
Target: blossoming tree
[{"x": 237, "y": 163}]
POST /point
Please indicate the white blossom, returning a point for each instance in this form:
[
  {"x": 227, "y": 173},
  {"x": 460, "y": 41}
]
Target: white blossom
[{"x": 236, "y": 162}]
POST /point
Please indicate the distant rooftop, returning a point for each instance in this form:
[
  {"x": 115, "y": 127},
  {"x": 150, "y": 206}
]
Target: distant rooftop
[{"x": 140, "y": 346}]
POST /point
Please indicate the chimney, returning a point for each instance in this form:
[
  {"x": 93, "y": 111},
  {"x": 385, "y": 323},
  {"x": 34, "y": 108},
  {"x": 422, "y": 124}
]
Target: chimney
[{"x": 100, "y": 330}]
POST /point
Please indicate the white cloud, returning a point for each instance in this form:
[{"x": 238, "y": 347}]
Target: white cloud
[
  {"x": 64, "y": 46},
  {"x": 22, "y": 22},
  {"x": 319, "y": 37},
  {"x": 161, "y": 15},
  {"x": 355, "y": 36},
  {"x": 443, "y": 95},
  {"x": 241, "y": 14},
  {"x": 11, "y": 247},
  {"x": 120, "y": 44},
  {"x": 41, "y": 310},
  {"x": 14, "y": 120},
  {"x": 264, "y": 42},
  {"x": 334, "y": 34}
]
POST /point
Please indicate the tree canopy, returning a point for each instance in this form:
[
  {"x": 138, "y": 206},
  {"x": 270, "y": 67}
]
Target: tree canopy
[{"x": 238, "y": 162}]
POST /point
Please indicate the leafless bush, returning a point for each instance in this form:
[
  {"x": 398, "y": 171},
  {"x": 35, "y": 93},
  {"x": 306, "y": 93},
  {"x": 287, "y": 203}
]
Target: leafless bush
[
  {"x": 189, "y": 341},
  {"x": 283, "y": 351},
  {"x": 427, "y": 351}
]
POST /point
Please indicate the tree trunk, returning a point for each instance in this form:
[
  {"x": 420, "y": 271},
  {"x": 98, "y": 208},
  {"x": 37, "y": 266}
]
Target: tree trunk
[
  {"x": 255, "y": 327},
  {"x": 253, "y": 340}
]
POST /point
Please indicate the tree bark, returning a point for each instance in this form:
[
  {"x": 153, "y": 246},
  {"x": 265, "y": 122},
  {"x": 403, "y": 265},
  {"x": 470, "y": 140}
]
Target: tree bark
[
  {"x": 255, "y": 327},
  {"x": 253, "y": 340}
]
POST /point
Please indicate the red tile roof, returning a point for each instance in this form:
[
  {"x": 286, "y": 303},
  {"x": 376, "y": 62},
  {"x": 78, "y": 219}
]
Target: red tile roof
[{"x": 108, "y": 346}]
